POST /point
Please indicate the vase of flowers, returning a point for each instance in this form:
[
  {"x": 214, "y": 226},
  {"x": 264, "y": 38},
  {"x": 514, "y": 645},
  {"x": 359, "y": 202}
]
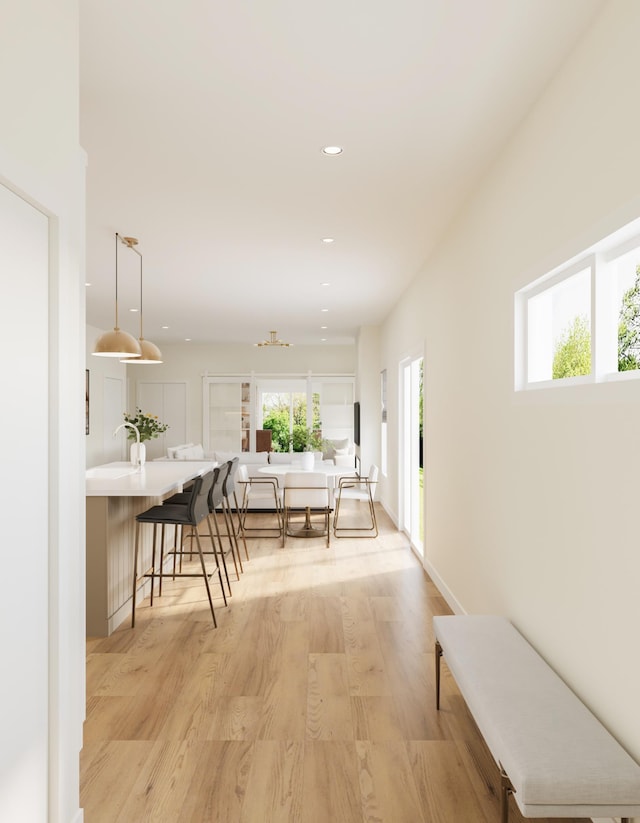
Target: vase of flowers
[{"x": 148, "y": 427}]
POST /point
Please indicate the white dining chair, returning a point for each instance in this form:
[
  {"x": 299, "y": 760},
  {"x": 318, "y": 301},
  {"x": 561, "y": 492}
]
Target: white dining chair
[
  {"x": 361, "y": 489},
  {"x": 258, "y": 494},
  {"x": 307, "y": 493}
]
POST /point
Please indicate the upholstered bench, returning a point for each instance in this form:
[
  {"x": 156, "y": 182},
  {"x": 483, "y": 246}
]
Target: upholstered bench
[{"x": 554, "y": 756}]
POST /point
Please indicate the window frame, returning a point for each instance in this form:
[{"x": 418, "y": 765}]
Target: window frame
[{"x": 600, "y": 259}]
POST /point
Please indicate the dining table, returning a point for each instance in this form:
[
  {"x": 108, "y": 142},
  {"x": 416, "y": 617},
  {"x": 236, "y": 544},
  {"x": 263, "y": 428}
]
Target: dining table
[{"x": 326, "y": 467}]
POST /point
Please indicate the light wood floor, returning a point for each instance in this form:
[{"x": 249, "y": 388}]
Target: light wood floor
[{"x": 312, "y": 702}]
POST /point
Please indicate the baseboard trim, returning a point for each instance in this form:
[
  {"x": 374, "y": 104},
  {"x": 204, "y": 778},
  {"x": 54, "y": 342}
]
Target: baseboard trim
[{"x": 444, "y": 590}]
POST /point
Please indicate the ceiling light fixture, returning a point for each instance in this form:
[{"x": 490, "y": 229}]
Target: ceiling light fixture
[
  {"x": 328, "y": 240},
  {"x": 272, "y": 341},
  {"x": 332, "y": 151},
  {"x": 150, "y": 352},
  {"x": 117, "y": 343}
]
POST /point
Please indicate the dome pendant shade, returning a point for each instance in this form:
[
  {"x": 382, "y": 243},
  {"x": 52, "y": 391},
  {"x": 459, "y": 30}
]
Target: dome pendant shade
[
  {"x": 117, "y": 343},
  {"x": 150, "y": 354}
]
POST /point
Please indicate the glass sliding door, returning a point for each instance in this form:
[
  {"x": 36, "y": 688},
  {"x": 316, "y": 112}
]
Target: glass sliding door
[
  {"x": 282, "y": 407},
  {"x": 324, "y": 406},
  {"x": 295, "y": 409}
]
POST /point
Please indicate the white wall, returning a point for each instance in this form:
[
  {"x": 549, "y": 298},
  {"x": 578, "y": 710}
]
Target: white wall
[
  {"x": 190, "y": 362},
  {"x": 368, "y": 393},
  {"x": 100, "y": 445},
  {"x": 42, "y": 705},
  {"x": 532, "y": 502}
]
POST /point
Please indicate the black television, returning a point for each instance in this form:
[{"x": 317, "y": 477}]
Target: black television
[{"x": 356, "y": 423}]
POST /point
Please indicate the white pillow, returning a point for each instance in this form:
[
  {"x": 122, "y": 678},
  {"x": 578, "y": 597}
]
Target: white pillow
[
  {"x": 190, "y": 453},
  {"x": 172, "y": 451},
  {"x": 254, "y": 458},
  {"x": 280, "y": 457},
  {"x": 331, "y": 446},
  {"x": 224, "y": 457}
]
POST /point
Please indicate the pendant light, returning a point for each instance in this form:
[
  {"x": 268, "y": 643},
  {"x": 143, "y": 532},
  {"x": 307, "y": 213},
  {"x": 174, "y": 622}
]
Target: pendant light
[
  {"x": 117, "y": 343},
  {"x": 150, "y": 353}
]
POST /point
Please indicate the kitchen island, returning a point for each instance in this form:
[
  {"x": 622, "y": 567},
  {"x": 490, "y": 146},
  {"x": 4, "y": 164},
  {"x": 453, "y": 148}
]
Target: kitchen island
[{"x": 115, "y": 494}]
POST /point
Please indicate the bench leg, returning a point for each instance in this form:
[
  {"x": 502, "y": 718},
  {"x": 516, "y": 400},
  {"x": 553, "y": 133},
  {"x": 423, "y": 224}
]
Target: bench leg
[
  {"x": 438, "y": 656},
  {"x": 505, "y": 790}
]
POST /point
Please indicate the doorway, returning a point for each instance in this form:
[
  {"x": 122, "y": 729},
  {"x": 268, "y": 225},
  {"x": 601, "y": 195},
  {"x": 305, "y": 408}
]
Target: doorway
[{"x": 411, "y": 469}]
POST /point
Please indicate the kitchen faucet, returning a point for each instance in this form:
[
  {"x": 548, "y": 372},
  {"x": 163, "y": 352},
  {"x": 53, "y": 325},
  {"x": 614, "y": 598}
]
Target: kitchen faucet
[{"x": 136, "y": 430}]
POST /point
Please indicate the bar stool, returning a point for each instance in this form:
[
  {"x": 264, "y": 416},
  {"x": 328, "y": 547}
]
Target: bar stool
[
  {"x": 190, "y": 514},
  {"x": 214, "y": 502},
  {"x": 222, "y": 505},
  {"x": 229, "y": 489}
]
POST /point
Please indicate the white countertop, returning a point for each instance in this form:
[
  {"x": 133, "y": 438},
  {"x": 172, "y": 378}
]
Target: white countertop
[{"x": 153, "y": 480}]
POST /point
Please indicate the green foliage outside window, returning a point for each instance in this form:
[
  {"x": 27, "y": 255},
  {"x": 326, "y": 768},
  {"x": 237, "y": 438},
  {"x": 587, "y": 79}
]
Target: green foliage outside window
[
  {"x": 572, "y": 356},
  {"x": 300, "y": 438},
  {"x": 629, "y": 328}
]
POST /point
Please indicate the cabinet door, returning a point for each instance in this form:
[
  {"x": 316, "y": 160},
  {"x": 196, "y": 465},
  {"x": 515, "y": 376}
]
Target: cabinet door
[
  {"x": 169, "y": 402},
  {"x": 227, "y": 417},
  {"x": 113, "y": 393}
]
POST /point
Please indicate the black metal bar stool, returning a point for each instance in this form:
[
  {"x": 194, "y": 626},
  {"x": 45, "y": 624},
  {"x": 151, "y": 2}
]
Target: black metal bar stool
[
  {"x": 190, "y": 514},
  {"x": 214, "y": 501},
  {"x": 229, "y": 490}
]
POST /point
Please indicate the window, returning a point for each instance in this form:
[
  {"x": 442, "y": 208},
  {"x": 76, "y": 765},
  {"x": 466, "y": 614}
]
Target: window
[
  {"x": 559, "y": 329},
  {"x": 235, "y": 406},
  {"x": 581, "y": 321}
]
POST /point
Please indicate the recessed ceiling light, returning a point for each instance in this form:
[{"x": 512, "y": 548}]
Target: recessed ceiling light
[
  {"x": 332, "y": 151},
  {"x": 323, "y": 339},
  {"x": 134, "y": 310},
  {"x": 327, "y": 239},
  {"x": 165, "y": 327},
  {"x": 87, "y": 284},
  {"x": 325, "y": 284},
  {"x": 324, "y": 327},
  {"x": 187, "y": 340},
  {"x": 324, "y": 309}
]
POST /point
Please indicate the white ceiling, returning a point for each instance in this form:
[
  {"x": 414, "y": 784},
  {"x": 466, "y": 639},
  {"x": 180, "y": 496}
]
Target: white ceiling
[{"x": 203, "y": 122}]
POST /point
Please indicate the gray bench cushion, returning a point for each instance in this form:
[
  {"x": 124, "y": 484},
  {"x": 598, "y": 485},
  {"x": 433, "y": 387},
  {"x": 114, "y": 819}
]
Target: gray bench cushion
[{"x": 554, "y": 750}]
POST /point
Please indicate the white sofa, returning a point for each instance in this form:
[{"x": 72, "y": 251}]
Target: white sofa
[{"x": 340, "y": 452}]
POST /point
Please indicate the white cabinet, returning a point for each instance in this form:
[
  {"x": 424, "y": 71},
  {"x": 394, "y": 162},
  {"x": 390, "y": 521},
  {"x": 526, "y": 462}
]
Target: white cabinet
[
  {"x": 227, "y": 417},
  {"x": 169, "y": 402}
]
